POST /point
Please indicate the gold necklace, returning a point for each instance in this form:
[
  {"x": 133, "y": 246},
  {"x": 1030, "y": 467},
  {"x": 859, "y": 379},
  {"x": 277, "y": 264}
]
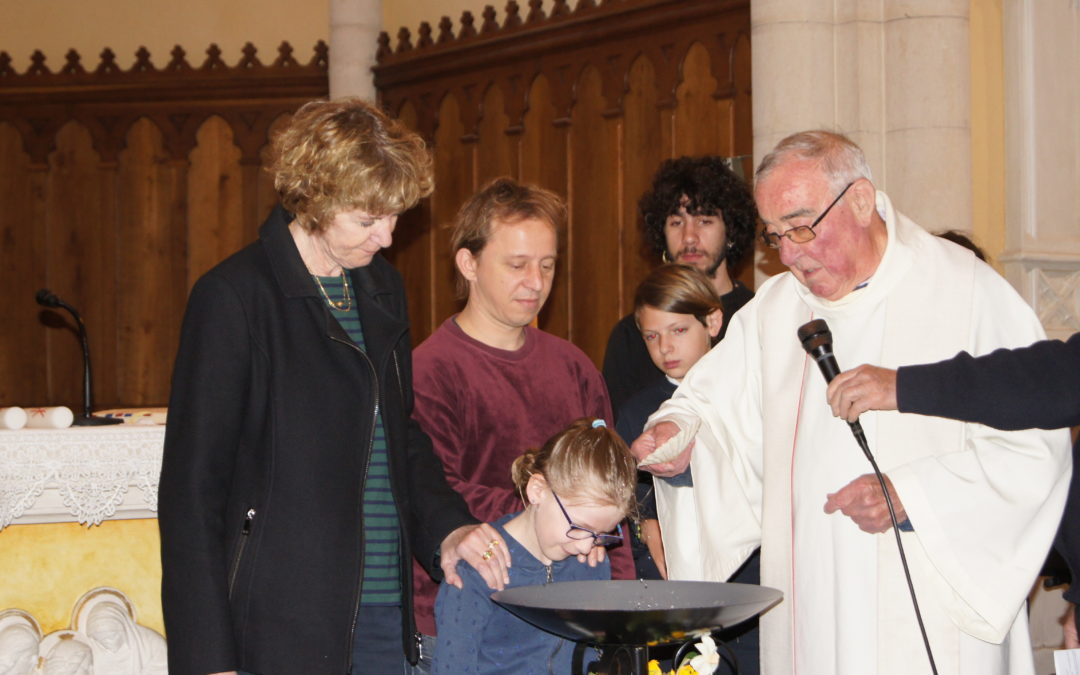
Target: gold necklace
[{"x": 345, "y": 304}]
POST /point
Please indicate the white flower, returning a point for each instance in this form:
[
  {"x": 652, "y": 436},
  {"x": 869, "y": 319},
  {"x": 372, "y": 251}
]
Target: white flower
[{"x": 708, "y": 659}]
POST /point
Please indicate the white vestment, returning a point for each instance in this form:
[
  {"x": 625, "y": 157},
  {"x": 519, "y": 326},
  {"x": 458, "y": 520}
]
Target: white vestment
[{"x": 984, "y": 503}]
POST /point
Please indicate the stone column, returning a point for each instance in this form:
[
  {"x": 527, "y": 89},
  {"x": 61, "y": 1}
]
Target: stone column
[
  {"x": 354, "y": 33},
  {"x": 893, "y": 75},
  {"x": 1042, "y": 154}
]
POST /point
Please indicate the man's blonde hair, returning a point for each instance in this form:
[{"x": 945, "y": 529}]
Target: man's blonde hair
[
  {"x": 506, "y": 201},
  {"x": 345, "y": 155}
]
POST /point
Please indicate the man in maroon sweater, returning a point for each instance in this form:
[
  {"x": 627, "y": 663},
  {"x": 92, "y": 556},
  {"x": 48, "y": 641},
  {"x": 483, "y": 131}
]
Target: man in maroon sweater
[{"x": 489, "y": 385}]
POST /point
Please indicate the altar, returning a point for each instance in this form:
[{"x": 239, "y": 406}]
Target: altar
[{"x": 78, "y": 511}]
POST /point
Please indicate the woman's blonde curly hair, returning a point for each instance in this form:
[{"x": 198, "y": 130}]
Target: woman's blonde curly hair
[{"x": 347, "y": 155}]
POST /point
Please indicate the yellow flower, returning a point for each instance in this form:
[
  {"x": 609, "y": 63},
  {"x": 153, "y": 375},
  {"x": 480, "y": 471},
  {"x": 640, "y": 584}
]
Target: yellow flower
[{"x": 654, "y": 668}]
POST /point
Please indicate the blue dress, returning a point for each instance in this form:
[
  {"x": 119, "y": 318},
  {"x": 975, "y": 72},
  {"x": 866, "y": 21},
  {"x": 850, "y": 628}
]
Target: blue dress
[{"x": 477, "y": 636}]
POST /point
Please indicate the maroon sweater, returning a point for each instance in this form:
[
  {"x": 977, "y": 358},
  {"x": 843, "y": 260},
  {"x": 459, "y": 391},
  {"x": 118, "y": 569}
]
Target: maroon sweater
[{"x": 484, "y": 406}]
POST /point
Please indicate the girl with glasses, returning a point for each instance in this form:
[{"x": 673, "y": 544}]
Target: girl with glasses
[{"x": 577, "y": 489}]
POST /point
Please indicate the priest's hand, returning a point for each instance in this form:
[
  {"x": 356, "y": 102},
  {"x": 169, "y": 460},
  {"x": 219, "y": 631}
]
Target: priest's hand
[
  {"x": 651, "y": 439},
  {"x": 482, "y": 547},
  {"x": 863, "y": 502},
  {"x": 855, "y": 391}
]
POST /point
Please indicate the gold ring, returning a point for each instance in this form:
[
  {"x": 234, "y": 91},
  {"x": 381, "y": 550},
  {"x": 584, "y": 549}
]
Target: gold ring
[
  {"x": 486, "y": 555},
  {"x": 494, "y": 543}
]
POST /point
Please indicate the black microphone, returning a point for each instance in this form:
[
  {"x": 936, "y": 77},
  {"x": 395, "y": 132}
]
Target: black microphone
[
  {"x": 816, "y": 339},
  {"x": 47, "y": 298}
]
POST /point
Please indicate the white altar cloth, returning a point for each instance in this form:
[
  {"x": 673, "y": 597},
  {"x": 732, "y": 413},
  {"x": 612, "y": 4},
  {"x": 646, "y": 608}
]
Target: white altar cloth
[{"x": 80, "y": 474}]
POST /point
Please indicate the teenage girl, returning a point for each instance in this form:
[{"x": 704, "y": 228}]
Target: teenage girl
[
  {"x": 576, "y": 490},
  {"x": 680, "y": 316}
]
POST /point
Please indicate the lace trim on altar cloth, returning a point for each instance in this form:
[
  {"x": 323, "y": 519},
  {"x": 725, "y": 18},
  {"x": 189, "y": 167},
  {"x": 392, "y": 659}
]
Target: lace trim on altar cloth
[{"x": 85, "y": 475}]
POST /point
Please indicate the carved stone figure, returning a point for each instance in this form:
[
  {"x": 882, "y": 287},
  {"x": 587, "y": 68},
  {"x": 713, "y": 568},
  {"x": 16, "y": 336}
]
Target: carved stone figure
[
  {"x": 66, "y": 653},
  {"x": 103, "y": 639},
  {"x": 20, "y": 636},
  {"x": 120, "y": 646}
]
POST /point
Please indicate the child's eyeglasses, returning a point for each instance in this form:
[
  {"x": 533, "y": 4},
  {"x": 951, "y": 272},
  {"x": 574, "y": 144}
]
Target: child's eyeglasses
[{"x": 580, "y": 533}]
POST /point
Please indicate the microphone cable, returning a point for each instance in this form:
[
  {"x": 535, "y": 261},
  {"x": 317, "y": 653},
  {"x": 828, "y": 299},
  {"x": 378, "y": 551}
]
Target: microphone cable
[
  {"x": 861, "y": 438},
  {"x": 816, "y": 339}
]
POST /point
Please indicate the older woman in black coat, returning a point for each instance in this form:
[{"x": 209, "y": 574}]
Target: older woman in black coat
[{"x": 295, "y": 487}]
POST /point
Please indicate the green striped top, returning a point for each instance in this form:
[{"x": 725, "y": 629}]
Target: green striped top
[{"x": 382, "y": 547}]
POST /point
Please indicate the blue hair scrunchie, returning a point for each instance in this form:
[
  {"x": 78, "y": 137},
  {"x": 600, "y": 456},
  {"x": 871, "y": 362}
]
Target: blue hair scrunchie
[{"x": 598, "y": 423}]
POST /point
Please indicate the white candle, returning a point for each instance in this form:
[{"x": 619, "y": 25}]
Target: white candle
[
  {"x": 12, "y": 418},
  {"x": 58, "y": 417}
]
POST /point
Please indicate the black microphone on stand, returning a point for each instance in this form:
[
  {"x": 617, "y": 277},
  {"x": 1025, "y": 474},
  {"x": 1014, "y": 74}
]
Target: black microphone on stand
[
  {"x": 47, "y": 298},
  {"x": 816, "y": 339}
]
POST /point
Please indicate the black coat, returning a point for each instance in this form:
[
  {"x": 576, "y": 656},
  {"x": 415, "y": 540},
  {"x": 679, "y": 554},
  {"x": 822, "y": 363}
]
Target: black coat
[
  {"x": 270, "y": 425},
  {"x": 1030, "y": 387}
]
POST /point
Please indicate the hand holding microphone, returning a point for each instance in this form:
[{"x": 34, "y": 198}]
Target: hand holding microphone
[
  {"x": 853, "y": 392},
  {"x": 816, "y": 339},
  {"x": 866, "y": 500}
]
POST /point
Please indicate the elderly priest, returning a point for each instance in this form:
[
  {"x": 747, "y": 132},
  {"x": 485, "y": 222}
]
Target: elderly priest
[{"x": 771, "y": 465}]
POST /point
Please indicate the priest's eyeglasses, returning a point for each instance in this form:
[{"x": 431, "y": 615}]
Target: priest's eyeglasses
[
  {"x": 802, "y": 233},
  {"x": 578, "y": 532}
]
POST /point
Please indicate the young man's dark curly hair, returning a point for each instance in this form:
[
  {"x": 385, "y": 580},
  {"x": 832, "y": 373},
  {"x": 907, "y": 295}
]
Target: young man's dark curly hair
[{"x": 712, "y": 188}]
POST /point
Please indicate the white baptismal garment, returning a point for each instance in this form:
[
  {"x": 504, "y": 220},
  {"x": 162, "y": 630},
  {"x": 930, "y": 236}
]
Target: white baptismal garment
[{"x": 984, "y": 503}]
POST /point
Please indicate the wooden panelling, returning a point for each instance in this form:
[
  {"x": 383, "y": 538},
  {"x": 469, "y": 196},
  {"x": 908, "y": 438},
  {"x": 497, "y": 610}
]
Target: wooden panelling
[
  {"x": 119, "y": 189},
  {"x": 544, "y": 161},
  {"x": 496, "y": 150},
  {"x": 586, "y": 102},
  {"x": 697, "y": 121},
  {"x": 592, "y": 261},
  {"x": 411, "y": 250},
  {"x": 23, "y": 369},
  {"x": 79, "y": 260},
  {"x": 641, "y": 131},
  {"x": 151, "y": 275},
  {"x": 455, "y": 181},
  {"x": 214, "y": 199}
]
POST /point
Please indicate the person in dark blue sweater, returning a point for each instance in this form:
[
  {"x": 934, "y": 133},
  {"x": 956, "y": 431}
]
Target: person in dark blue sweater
[
  {"x": 1031, "y": 387},
  {"x": 680, "y": 317},
  {"x": 576, "y": 489}
]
